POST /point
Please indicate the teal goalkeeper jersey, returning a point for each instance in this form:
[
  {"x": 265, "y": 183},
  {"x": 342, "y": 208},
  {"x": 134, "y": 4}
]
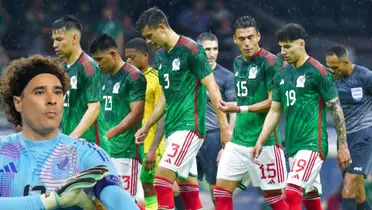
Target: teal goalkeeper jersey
[
  {"x": 302, "y": 93},
  {"x": 119, "y": 90},
  {"x": 180, "y": 73},
  {"x": 86, "y": 85},
  {"x": 253, "y": 81}
]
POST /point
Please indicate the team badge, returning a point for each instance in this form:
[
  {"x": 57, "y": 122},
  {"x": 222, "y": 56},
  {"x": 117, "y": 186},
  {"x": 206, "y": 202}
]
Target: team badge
[
  {"x": 301, "y": 81},
  {"x": 116, "y": 88},
  {"x": 73, "y": 82},
  {"x": 357, "y": 93},
  {"x": 176, "y": 64},
  {"x": 252, "y": 73}
]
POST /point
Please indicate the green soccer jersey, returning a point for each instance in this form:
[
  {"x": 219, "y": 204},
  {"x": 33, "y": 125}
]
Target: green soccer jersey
[
  {"x": 302, "y": 93},
  {"x": 119, "y": 90},
  {"x": 86, "y": 83},
  {"x": 180, "y": 73},
  {"x": 253, "y": 81}
]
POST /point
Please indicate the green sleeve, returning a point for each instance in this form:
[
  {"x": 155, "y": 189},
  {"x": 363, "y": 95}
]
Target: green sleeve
[
  {"x": 199, "y": 64},
  {"x": 93, "y": 86},
  {"x": 137, "y": 88},
  {"x": 270, "y": 73},
  {"x": 276, "y": 91},
  {"x": 325, "y": 85}
]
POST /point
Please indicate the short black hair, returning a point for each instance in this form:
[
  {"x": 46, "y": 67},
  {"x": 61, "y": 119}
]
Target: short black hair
[
  {"x": 139, "y": 44},
  {"x": 152, "y": 18},
  {"x": 245, "y": 22},
  {"x": 206, "y": 36},
  {"x": 291, "y": 32},
  {"x": 337, "y": 50},
  {"x": 68, "y": 22},
  {"x": 102, "y": 42}
]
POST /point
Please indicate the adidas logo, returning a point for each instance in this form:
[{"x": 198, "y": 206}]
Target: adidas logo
[
  {"x": 296, "y": 176},
  {"x": 237, "y": 74},
  {"x": 282, "y": 82},
  {"x": 9, "y": 168},
  {"x": 168, "y": 161},
  {"x": 272, "y": 181}
]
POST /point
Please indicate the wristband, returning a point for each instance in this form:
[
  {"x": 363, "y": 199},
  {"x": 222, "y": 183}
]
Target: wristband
[{"x": 243, "y": 109}]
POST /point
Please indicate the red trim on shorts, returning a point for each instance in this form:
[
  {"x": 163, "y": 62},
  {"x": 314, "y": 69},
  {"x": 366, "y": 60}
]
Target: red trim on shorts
[
  {"x": 134, "y": 177},
  {"x": 276, "y": 138},
  {"x": 98, "y": 140},
  {"x": 196, "y": 118},
  {"x": 279, "y": 164},
  {"x": 185, "y": 148},
  {"x": 320, "y": 122},
  {"x": 309, "y": 166}
]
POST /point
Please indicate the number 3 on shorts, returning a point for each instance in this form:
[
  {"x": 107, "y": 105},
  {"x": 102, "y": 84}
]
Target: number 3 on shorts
[{"x": 175, "y": 148}]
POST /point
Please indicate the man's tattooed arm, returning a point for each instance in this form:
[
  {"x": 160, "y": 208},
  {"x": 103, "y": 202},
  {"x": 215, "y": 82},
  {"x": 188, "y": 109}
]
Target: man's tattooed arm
[{"x": 334, "y": 107}]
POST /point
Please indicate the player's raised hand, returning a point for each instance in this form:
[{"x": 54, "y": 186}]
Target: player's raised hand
[
  {"x": 141, "y": 135},
  {"x": 256, "y": 151},
  {"x": 227, "y": 107},
  {"x": 343, "y": 157},
  {"x": 225, "y": 136}
]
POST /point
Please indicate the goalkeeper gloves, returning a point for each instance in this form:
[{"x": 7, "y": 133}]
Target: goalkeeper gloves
[{"x": 71, "y": 192}]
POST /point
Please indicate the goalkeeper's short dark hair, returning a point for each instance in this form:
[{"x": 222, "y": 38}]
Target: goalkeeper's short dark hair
[
  {"x": 245, "y": 22},
  {"x": 68, "y": 22},
  {"x": 206, "y": 36},
  {"x": 138, "y": 44},
  {"x": 291, "y": 32},
  {"x": 102, "y": 42},
  {"x": 152, "y": 18}
]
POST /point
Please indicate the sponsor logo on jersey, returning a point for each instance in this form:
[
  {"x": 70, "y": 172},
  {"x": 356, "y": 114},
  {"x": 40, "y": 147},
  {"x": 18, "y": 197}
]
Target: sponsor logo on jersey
[
  {"x": 282, "y": 82},
  {"x": 73, "y": 82},
  {"x": 358, "y": 168},
  {"x": 116, "y": 88},
  {"x": 237, "y": 74},
  {"x": 252, "y": 73},
  {"x": 159, "y": 67},
  {"x": 301, "y": 81},
  {"x": 176, "y": 64},
  {"x": 272, "y": 181},
  {"x": 103, "y": 88},
  {"x": 9, "y": 168},
  {"x": 357, "y": 93}
]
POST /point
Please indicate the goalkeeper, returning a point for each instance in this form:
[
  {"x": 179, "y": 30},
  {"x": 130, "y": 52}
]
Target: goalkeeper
[{"x": 42, "y": 168}]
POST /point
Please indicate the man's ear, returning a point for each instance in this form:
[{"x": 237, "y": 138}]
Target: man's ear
[{"x": 17, "y": 103}]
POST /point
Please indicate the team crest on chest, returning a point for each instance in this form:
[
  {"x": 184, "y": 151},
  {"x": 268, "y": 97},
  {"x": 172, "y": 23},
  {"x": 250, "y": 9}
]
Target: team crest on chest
[
  {"x": 73, "y": 82},
  {"x": 176, "y": 64},
  {"x": 301, "y": 81},
  {"x": 116, "y": 88},
  {"x": 357, "y": 93},
  {"x": 252, "y": 73}
]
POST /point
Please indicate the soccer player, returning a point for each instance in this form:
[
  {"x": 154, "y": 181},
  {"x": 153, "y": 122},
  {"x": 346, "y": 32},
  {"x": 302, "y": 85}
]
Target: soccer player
[
  {"x": 124, "y": 90},
  {"x": 42, "y": 168},
  {"x": 82, "y": 116},
  {"x": 304, "y": 89},
  {"x": 354, "y": 85},
  {"x": 136, "y": 53},
  {"x": 254, "y": 70},
  {"x": 184, "y": 72},
  {"x": 208, "y": 153}
]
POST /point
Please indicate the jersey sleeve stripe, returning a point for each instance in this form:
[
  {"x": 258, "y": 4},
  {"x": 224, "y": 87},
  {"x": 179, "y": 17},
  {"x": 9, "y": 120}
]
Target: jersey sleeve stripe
[
  {"x": 134, "y": 73},
  {"x": 320, "y": 123},
  {"x": 87, "y": 65},
  {"x": 270, "y": 58},
  {"x": 319, "y": 66},
  {"x": 196, "y": 117},
  {"x": 98, "y": 141},
  {"x": 191, "y": 45}
]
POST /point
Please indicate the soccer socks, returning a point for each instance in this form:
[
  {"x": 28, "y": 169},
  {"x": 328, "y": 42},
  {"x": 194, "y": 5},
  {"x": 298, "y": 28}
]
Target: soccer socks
[
  {"x": 364, "y": 206},
  {"x": 276, "y": 202},
  {"x": 151, "y": 203},
  {"x": 223, "y": 199},
  {"x": 164, "y": 193},
  {"x": 349, "y": 204},
  {"x": 312, "y": 201},
  {"x": 294, "y": 194},
  {"x": 190, "y": 196}
]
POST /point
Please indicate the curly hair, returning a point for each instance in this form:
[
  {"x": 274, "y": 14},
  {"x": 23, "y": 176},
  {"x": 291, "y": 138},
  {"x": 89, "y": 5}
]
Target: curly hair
[{"x": 10, "y": 81}]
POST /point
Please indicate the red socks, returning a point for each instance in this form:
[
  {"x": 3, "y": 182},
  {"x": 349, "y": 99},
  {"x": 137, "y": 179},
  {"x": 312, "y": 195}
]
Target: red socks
[
  {"x": 294, "y": 196},
  {"x": 190, "y": 196},
  {"x": 312, "y": 201},
  {"x": 164, "y": 193},
  {"x": 223, "y": 199},
  {"x": 276, "y": 202}
]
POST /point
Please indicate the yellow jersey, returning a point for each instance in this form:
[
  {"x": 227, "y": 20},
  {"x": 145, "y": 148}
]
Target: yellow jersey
[{"x": 153, "y": 90}]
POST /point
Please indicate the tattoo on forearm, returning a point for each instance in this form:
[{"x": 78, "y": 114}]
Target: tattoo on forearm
[{"x": 334, "y": 107}]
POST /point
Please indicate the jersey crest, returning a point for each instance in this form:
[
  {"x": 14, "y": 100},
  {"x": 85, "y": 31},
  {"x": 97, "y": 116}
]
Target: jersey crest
[
  {"x": 73, "y": 82},
  {"x": 252, "y": 73},
  {"x": 357, "y": 93},
  {"x": 176, "y": 64},
  {"x": 116, "y": 88},
  {"x": 301, "y": 81}
]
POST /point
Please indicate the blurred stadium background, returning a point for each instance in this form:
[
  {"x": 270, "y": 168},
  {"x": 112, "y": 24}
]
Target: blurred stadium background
[{"x": 25, "y": 28}]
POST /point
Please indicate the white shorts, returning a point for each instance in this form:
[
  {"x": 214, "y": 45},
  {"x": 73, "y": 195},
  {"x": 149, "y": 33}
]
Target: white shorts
[
  {"x": 269, "y": 173},
  {"x": 305, "y": 170},
  {"x": 180, "y": 153},
  {"x": 129, "y": 170}
]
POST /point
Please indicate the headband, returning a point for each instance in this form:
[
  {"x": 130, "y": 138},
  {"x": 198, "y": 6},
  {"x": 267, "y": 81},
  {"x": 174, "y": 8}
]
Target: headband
[{"x": 33, "y": 72}]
